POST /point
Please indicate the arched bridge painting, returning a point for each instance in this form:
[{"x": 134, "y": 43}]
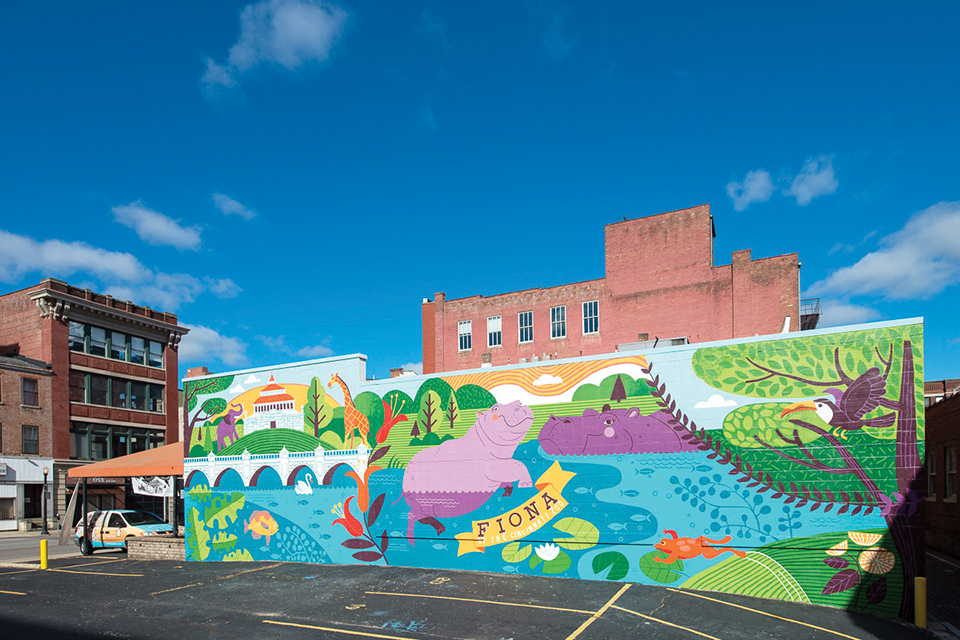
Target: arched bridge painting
[{"x": 784, "y": 466}]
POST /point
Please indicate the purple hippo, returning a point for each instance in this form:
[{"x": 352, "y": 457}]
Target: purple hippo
[
  {"x": 612, "y": 431},
  {"x": 459, "y": 475}
]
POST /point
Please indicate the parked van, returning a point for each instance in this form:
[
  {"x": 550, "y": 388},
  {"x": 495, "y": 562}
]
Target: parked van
[{"x": 112, "y": 529}]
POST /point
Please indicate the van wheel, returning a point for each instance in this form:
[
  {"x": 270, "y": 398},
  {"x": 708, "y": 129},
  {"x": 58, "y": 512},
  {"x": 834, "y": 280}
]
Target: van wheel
[
  {"x": 126, "y": 541},
  {"x": 85, "y": 547}
]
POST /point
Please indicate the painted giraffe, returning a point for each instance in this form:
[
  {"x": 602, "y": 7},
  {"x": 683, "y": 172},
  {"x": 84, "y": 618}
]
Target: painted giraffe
[{"x": 353, "y": 420}]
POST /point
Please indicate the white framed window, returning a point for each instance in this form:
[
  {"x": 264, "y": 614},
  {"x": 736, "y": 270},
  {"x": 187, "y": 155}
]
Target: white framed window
[
  {"x": 931, "y": 475},
  {"x": 494, "y": 332},
  {"x": 591, "y": 317},
  {"x": 525, "y": 322},
  {"x": 465, "y": 335},
  {"x": 950, "y": 474},
  {"x": 558, "y": 322}
]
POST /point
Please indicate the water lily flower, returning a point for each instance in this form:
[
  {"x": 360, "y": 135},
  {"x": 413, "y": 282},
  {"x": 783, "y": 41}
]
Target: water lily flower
[
  {"x": 349, "y": 522},
  {"x": 547, "y": 552}
]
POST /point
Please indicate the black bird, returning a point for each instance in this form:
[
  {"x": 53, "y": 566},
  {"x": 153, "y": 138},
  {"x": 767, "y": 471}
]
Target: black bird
[{"x": 845, "y": 412}]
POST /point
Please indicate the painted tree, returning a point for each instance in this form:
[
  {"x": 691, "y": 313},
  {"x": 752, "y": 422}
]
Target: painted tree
[
  {"x": 415, "y": 432},
  {"x": 451, "y": 412},
  {"x": 874, "y": 372},
  {"x": 439, "y": 386},
  {"x": 618, "y": 393},
  {"x": 317, "y": 412},
  {"x": 210, "y": 408},
  {"x": 192, "y": 389},
  {"x": 430, "y": 410},
  {"x": 472, "y": 396},
  {"x": 370, "y": 405}
]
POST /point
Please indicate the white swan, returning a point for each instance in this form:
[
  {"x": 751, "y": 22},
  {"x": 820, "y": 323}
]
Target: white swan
[{"x": 305, "y": 488}]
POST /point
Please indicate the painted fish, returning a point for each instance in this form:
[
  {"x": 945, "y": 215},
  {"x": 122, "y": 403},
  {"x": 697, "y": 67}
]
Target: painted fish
[
  {"x": 617, "y": 526},
  {"x": 261, "y": 524},
  {"x": 314, "y": 525},
  {"x": 630, "y": 493},
  {"x": 640, "y": 517},
  {"x": 439, "y": 546},
  {"x": 582, "y": 490},
  {"x": 509, "y": 568},
  {"x": 273, "y": 504},
  {"x": 645, "y": 472},
  {"x": 325, "y": 536},
  {"x": 301, "y": 502},
  {"x": 318, "y": 512}
]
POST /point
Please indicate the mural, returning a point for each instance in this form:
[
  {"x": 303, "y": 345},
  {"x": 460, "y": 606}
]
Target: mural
[{"x": 783, "y": 467}]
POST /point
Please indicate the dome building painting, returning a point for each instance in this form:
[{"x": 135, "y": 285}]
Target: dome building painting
[{"x": 274, "y": 409}]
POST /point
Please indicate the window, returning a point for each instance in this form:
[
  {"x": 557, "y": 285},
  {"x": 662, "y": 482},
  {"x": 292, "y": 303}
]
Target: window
[
  {"x": 138, "y": 350},
  {"x": 118, "y": 393},
  {"x": 931, "y": 475},
  {"x": 591, "y": 317},
  {"x": 31, "y": 440},
  {"x": 100, "y": 442},
  {"x": 98, "y": 341},
  {"x": 558, "y": 322},
  {"x": 465, "y": 335},
  {"x": 950, "y": 473},
  {"x": 494, "y": 332},
  {"x": 156, "y": 354},
  {"x": 78, "y": 334},
  {"x": 78, "y": 386},
  {"x": 98, "y": 389},
  {"x": 155, "y": 398},
  {"x": 30, "y": 395},
  {"x": 116, "y": 521},
  {"x": 8, "y": 508},
  {"x": 138, "y": 393},
  {"x": 525, "y": 321},
  {"x": 118, "y": 345}
]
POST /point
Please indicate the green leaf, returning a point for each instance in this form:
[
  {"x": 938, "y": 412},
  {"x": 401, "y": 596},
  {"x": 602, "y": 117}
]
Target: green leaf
[
  {"x": 583, "y": 534},
  {"x": 659, "y": 571},
  {"x": 197, "y": 538},
  {"x": 516, "y": 552},
  {"x": 558, "y": 565},
  {"x": 223, "y": 509},
  {"x": 615, "y": 561}
]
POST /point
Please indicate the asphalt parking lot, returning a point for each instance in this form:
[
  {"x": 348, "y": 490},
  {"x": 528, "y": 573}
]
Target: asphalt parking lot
[{"x": 108, "y": 595}]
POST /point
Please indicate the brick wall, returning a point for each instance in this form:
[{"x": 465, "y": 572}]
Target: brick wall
[
  {"x": 943, "y": 515},
  {"x": 13, "y": 415},
  {"x": 156, "y": 548},
  {"x": 660, "y": 281}
]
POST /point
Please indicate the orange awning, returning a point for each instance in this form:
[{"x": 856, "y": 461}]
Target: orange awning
[{"x": 162, "y": 461}]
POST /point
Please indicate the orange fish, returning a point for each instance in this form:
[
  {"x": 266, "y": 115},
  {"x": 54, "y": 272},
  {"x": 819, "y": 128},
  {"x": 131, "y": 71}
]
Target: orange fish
[{"x": 261, "y": 524}]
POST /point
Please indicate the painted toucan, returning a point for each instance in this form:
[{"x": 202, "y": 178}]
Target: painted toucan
[{"x": 845, "y": 412}]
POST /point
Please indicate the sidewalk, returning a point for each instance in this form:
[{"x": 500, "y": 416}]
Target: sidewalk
[
  {"x": 943, "y": 595},
  {"x": 24, "y": 546}
]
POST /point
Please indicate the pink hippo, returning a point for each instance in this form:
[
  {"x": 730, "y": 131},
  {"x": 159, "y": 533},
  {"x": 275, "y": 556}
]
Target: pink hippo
[{"x": 458, "y": 476}]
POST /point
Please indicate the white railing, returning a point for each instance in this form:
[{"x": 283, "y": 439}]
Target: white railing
[{"x": 249, "y": 465}]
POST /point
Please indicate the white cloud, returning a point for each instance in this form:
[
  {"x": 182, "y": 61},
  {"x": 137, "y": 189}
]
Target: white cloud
[
  {"x": 836, "y": 313},
  {"x": 166, "y": 291},
  {"x": 155, "y": 228},
  {"x": 756, "y": 187},
  {"x": 252, "y": 379},
  {"x": 715, "y": 401},
  {"x": 203, "y": 344},
  {"x": 816, "y": 178},
  {"x": 917, "y": 262},
  {"x": 546, "y": 379},
  {"x": 416, "y": 367},
  {"x": 223, "y": 287},
  {"x": 22, "y": 254},
  {"x": 237, "y": 388},
  {"x": 277, "y": 344},
  {"x": 316, "y": 351},
  {"x": 231, "y": 207},
  {"x": 287, "y": 33}
]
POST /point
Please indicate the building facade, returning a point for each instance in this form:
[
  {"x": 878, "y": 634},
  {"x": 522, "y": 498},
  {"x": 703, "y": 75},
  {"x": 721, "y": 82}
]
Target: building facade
[
  {"x": 936, "y": 390},
  {"x": 660, "y": 282},
  {"x": 25, "y": 439},
  {"x": 943, "y": 443},
  {"x": 112, "y": 377}
]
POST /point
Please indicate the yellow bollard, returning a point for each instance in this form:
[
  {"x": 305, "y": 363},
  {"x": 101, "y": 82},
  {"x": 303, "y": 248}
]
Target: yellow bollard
[
  {"x": 43, "y": 554},
  {"x": 920, "y": 602}
]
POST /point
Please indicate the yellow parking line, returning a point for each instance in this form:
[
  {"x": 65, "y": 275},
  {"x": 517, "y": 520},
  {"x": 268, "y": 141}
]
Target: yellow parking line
[
  {"x": 97, "y": 573},
  {"x": 232, "y": 575},
  {"x": 764, "y": 613},
  {"x": 504, "y": 604},
  {"x": 10, "y": 573},
  {"x": 90, "y": 564},
  {"x": 365, "y": 634},
  {"x": 13, "y": 593},
  {"x": 599, "y": 612},
  {"x": 669, "y": 624}
]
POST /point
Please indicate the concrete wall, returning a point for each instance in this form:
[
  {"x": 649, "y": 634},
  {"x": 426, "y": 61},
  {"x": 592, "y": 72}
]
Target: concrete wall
[
  {"x": 660, "y": 281},
  {"x": 711, "y": 466}
]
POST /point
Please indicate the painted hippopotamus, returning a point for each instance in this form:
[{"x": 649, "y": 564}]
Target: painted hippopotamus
[
  {"x": 611, "y": 431},
  {"x": 459, "y": 475}
]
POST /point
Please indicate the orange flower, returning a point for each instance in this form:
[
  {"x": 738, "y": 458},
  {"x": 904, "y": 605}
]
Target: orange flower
[
  {"x": 349, "y": 522},
  {"x": 363, "y": 491},
  {"x": 388, "y": 421}
]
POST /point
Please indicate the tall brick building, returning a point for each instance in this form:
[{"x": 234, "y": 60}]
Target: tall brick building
[
  {"x": 942, "y": 444},
  {"x": 660, "y": 282},
  {"x": 111, "y": 385}
]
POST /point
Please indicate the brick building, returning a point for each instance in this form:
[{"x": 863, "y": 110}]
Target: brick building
[
  {"x": 660, "y": 282},
  {"x": 25, "y": 438},
  {"x": 111, "y": 387},
  {"x": 942, "y": 421},
  {"x": 936, "y": 390}
]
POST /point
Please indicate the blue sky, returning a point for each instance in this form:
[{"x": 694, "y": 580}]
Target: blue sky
[{"x": 292, "y": 177}]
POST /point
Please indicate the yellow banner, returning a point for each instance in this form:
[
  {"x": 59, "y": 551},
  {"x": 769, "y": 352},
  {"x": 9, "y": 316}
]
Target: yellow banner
[{"x": 520, "y": 522}]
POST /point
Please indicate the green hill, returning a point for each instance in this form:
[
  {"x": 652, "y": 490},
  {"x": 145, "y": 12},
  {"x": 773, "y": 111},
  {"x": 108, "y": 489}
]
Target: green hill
[{"x": 271, "y": 441}]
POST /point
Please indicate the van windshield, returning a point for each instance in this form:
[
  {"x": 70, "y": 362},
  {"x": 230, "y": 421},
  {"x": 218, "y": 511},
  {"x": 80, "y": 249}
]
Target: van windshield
[{"x": 141, "y": 517}]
